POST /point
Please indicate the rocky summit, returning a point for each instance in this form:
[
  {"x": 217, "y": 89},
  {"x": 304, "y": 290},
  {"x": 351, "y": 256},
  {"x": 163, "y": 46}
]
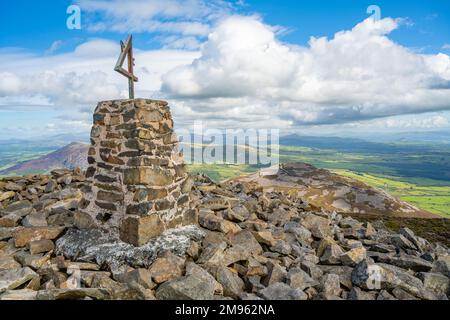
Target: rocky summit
[{"x": 244, "y": 243}]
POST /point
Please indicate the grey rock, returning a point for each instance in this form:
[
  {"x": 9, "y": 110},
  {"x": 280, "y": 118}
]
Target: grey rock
[
  {"x": 411, "y": 262},
  {"x": 13, "y": 278},
  {"x": 281, "y": 291},
  {"x": 401, "y": 294},
  {"x": 36, "y": 219},
  {"x": 401, "y": 242},
  {"x": 232, "y": 285},
  {"x": 19, "y": 208},
  {"x": 332, "y": 254},
  {"x": 40, "y": 246},
  {"x": 281, "y": 247},
  {"x": 331, "y": 285},
  {"x": 358, "y": 294},
  {"x": 299, "y": 279},
  {"x": 409, "y": 234},
  {"x": 318, "y": 226},
  {"x": 186, "y": 288},
  {"x": 354, "y": 256},
  {"x": 384, "y": 295},
  {"x": 23, "y": 294},
  {"x": 73, "y": 294},
  {"x": 442, "y": 265},
  {"x": 8, "y": 262},
  {"x": 106, "y": 249},
  {"x": 246, "y": 240},
  {"x": 140, "y": 276},
  {"x": 197, "y": 271},
  {"x": 436, "y": 282},
  {"x": 213, "y": 253},
  {"x": 275, "y": 273},
  {"x": 344, "y": 273},
  {"x": 6, "y": 233}
]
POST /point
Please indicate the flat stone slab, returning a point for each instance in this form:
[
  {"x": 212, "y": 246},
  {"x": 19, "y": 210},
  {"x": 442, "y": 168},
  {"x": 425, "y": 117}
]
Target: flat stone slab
[{"x": 106, "y": 249}]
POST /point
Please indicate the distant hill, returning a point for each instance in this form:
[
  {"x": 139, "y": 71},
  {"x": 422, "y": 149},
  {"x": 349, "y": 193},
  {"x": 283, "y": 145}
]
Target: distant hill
[
  {"x": 351, "y": 144},
  {"x": 71, "y": 156},
  {"x": 324, "y": 189}
]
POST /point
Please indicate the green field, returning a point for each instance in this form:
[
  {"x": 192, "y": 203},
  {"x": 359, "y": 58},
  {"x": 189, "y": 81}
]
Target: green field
[
  {"x": 435, "y": 199},
  {"x": 418, "y": 173},
  {"x": 415, "y": 173}
]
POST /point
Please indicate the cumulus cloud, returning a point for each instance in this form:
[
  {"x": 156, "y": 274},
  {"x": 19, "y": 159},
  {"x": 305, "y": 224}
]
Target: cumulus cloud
[
  {"x": 81, "y": 77},
  {"x": 358, "y": 74},
  {"x": 243, "y": 76}
]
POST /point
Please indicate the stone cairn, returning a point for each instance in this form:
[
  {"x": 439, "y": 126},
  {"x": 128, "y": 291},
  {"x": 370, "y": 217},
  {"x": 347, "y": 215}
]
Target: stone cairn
[{"x": 139, "y": 183}]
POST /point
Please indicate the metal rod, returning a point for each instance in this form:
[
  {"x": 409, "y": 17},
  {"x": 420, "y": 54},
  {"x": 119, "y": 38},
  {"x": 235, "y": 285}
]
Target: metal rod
[{"x": 127, "y": 52}]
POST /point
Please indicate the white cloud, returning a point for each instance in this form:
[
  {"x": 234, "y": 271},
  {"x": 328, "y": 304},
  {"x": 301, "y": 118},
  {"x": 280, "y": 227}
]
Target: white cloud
[
  {"x": 186, "y": 18},
  {"x": 9, "y": 83},
  {"x": 244, "y": 77},
  {"x": 358, "y": 74},
  {"x": 82, "y": 77}
]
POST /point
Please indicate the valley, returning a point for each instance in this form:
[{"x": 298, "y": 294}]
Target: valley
[{"x": 418, "y": 173}]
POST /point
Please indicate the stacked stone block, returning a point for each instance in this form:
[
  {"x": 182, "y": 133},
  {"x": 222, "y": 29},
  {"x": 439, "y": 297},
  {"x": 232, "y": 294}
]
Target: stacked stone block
[{"x": 139, "y": 184}]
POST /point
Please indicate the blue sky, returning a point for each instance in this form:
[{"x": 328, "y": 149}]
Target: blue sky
[{"x": 52, "y": 76}]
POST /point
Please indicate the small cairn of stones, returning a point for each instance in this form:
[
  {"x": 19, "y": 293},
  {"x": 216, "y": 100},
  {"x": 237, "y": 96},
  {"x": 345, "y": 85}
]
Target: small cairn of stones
[{"x": 250, "y": 244}]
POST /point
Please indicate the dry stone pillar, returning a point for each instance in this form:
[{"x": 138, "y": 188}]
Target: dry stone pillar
[{"x": 139, "y": 184}]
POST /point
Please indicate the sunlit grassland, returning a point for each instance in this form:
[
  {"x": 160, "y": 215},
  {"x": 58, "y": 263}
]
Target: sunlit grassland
[{"x": 435, "y": 199}]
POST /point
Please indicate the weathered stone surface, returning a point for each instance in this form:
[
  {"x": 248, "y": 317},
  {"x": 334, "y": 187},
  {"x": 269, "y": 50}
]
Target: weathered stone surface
[
  {"x": 384, "y": 295},
  {"x": 213, "y": 253},
  {"x": 200, "y": 273},
  {"x": 23, "y": 294},
  {"x": 275, "y": 273},
  {"x": 281, "y": 291},
  {"x": 35, "y": 261},
  {"x": 13, "y": 278},
  {"x": 40, "y": 246},
  {"x": 354, "y": 256},
  {"x": 6, "y": 233},
  {"x": 185, "y": 288},
  {"x": 436, "y": 282},
  {"x": 6, "y": 195},
  {"x": 442, "y": 265},
  {"x": 232, "y": 284},
  {"x": 167, "y": 267},
  {"x": 411, "y": 262},
  {"x": 246, "y": 240},
  {"x": 332, "y": 254},
  {"x": 8, "y": 262},
  {"x": 318, "y": 226},
  {"x": 214, "y": 223},
  {"x": 9, "y": 221},
  {"x": 330, "y": 285},
  {"x": 106, "y": 249},
  {"x": 19, "y": 208},
  {"x": 139, "y": 230},
  {"x": 234, "y": 254},
  {"x": 23, "y": 236},
  {"x": 141, "y": 276},
  {"x": 72, "y": 294},
  {"x": 37, "y": 219},
  {"x": 264, "y": 237},
  {"x": 401, "y": 242},
  {"x": 358, "y": 294},
  {"x": 299, "y": 279}
]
